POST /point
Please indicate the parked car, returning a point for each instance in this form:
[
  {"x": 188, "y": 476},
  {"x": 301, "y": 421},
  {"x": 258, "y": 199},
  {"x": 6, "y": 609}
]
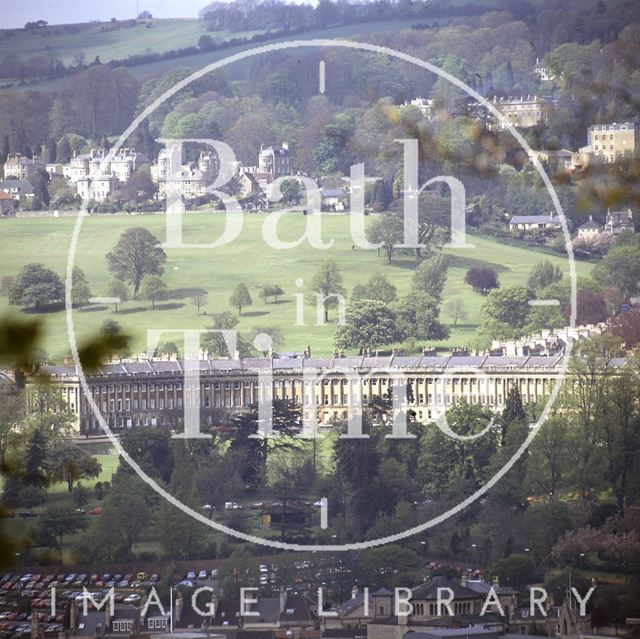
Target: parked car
[
  {"x": 133, "y": 598},
  {"x": 232, "y": 505}
]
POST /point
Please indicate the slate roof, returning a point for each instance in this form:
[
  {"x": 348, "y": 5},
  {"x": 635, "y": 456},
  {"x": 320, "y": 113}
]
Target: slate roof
[
  {"x": 350, "y": 605},
  {"x": 157, "y": 367},
  {"x": 534, "y": 219},
  {"x": 333, "y": 192},
  {"x": 429, "y": 589}
]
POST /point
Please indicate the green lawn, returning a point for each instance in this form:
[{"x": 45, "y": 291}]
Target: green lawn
[{"x": 248, "y": 259}]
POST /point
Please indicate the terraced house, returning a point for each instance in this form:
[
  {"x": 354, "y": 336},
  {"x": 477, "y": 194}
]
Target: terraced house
[{"x": 152, "y": 392}]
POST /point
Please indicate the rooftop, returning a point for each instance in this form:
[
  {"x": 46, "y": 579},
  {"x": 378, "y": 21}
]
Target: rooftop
[{"x": 251, "y": 365}]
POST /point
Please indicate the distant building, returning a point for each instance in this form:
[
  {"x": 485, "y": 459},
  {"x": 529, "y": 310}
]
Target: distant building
[
  {"x": 54, "y": 168},
  {"x": 544, "y": 73},
  {"x": 589, "y": 229},
  {"x": 522, "y": 112},
  {"x": 426, "y": 106},
  {"x": 17, "y": 189},
  {"x": 295, "y": 513},
  {"x": 7, "y": 205},
  {"x": 193, "y": 178},
  {"x": 612, "y": 142},
  {"x": 287, "y": 611},
  {"x": 427, "y": 621},
  {"x": 558, "y": 161},
  {"x": 98, "y": 187},
  {"x": 581, "y": 159},
  {"x": 86, "y": 165},
  {"x": 356, "y": 612},
  {"x": 619, "y": 222},
  {"x": 333, "y": 199},
  {"x": 275, "y": 160},
  {"x": 534, "y": 223},
  {"x": 19, "y": 167},
  {"x": 125, "y": 162}
]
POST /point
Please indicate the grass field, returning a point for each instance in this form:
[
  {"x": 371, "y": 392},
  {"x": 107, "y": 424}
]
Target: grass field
[
  {"x": 109, "y": 41},
  {"x": 248, "y": 259}
]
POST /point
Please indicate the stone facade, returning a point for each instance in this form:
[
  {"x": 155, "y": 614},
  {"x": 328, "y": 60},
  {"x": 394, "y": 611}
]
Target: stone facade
[{"x": 151, "y": 392}]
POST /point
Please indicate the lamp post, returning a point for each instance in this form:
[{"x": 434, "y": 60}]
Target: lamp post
[{"x": 17, "y": 560}]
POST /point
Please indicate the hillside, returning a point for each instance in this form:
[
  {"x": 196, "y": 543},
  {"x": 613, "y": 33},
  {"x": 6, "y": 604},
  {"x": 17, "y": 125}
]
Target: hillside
[
  {"x": 106, "y": 40},
  {"x": 120, "y": 44}
]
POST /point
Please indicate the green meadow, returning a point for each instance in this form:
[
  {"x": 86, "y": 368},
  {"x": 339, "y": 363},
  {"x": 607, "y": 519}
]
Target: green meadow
[
  {"x": 247, "y": 259},
  {"x": 110, "y": 41}
]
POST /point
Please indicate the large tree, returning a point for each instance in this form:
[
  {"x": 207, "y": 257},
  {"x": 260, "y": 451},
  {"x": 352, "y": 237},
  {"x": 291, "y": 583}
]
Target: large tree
[
  {"x": 327, "y": 282},
  {"x": 55, "y": 523},
  {"x": 368, "y": 324},
  {"x": 36, "y": 285},
  {"x": 620, "y": 267},
  {"x": 481, "y": 279},
  {"x": 126, "y": 511},
  {"x": 240, "y": 297},
  {"x": 387, "y": 230},
  {"x": 80, "y": 291},
  {"x": 69, "y": 463},
  {"x": 378, "y": 287},
  {"x": 118, "y": 290},
  {"x": 153, "y": 288},
  {"x": 543, "y": 274},
  {"x": 505, "y": 312},
  {"x": 419, "y": 317},
  {"x": 431, "y": 276},
  {"x": 136, "y": 254}
]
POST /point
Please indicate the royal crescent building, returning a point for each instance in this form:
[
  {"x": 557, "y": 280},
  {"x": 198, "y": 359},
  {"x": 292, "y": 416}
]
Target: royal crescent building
[{"x": 151, "y": 392}]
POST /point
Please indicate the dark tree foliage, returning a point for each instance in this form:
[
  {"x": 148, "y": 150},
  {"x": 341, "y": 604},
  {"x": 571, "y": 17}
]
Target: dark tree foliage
[{"x": 481, "y": 279}]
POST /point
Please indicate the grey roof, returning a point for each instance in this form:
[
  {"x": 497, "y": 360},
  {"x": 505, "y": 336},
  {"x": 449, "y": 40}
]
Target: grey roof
[
  {"x": 274, "y": 150},
  {"x": 590, "y": 225},
  {"x": 382, "y": 592},
  {"x": 429, "y": 589},
  {"x": 350, "y": 605},
  {"x": 333, "y": 192},
  {"x": 534, "y": 219},
  {"x": 21, "y": 185},
  {"x": 484, "y": 587},
  {"x": 471, "y": 631},
  {"x": 336, "y": 364},
  {"x": 614, "y": 126}
]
